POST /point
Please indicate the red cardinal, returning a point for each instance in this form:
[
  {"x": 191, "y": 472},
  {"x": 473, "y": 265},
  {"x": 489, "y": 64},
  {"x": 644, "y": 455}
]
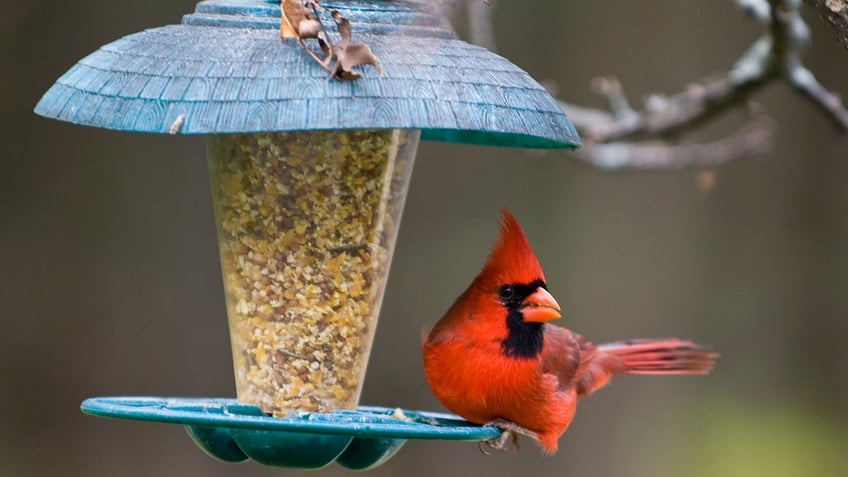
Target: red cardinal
[{"x": 494, "y": 360}]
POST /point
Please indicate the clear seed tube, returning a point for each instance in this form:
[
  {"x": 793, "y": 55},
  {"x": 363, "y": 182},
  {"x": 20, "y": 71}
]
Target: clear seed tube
[{"x": 307, "y": 223}]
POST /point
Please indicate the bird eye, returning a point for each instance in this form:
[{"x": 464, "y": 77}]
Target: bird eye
[{"x": 507, "y": 292}]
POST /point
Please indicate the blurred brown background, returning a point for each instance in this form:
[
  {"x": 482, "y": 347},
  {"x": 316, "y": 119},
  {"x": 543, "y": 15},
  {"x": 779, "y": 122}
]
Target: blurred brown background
[{"x": 110, "y": 285}]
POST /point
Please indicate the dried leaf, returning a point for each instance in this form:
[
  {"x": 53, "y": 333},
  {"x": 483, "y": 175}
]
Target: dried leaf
[
  {"x": 301, "y": 20},
  {"x": 349, "y": 56},
  {"x": 343, "y": 25},
  {"x": 309, "y": 28},
  {"x": 326, "y": 48},
  {"x": 293, "y": 12}
]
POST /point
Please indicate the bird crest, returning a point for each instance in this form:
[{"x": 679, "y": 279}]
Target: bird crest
[{"x": 511, "y": 260}]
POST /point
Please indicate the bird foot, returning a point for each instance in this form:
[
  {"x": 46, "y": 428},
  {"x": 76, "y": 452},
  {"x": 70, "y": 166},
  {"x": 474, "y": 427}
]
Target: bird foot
[{"x": 509, "y": 431}]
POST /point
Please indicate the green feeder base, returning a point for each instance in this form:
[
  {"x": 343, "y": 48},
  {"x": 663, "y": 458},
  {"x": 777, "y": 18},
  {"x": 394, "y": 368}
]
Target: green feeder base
[{"x": 234, "y": 432}]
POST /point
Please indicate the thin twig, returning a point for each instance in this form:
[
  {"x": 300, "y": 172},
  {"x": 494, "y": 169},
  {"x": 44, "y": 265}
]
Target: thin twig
[
  {"x": 314, "y": 56},
  {"x": 803, "y": 80},
  {"x": 611, "y": 89}
]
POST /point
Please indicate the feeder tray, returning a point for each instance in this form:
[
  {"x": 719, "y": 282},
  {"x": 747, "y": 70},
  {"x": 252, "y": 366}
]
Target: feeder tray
[
  {"x": 233, "y": 432},
  {"x": 273, "y": 115}
]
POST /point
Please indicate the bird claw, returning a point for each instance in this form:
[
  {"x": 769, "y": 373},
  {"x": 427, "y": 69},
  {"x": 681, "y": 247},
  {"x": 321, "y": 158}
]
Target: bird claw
[
  {"x": 500, "y": 444},
  {"x": 509, "y": 430}
]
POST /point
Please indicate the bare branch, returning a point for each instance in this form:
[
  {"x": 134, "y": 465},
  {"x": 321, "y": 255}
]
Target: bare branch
[
  {"x": 669, "y": 115},
  {"x": 835, "y": 13},
  {"x": 751, "y": 140},
  {"x": 776, "y": 55},
  {"x": 664, "y": 116}
]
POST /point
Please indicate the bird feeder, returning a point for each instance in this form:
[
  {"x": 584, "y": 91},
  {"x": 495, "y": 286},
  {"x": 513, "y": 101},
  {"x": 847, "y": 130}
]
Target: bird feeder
[{"x": 309, "y": 176}]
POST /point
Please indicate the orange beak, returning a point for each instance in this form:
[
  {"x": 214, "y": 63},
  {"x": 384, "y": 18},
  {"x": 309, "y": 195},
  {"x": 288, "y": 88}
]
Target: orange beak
[{"x": 540, "y": 307}]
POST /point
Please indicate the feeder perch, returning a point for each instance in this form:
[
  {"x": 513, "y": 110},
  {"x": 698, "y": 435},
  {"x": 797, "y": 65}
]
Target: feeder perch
[{"x": 309, "y": 177}]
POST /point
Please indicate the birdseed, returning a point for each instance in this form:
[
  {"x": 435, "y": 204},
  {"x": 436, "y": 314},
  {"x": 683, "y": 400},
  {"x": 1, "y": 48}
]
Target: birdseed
[{"x": 307, "y": 222}]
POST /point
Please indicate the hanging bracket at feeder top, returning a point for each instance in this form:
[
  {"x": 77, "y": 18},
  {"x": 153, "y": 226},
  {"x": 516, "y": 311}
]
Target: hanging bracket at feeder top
[{"x": 225, "y": 70}]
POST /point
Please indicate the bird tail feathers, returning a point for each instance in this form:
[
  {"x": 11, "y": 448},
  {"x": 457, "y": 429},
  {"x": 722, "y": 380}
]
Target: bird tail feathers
[{"x": 661, "y": 356}]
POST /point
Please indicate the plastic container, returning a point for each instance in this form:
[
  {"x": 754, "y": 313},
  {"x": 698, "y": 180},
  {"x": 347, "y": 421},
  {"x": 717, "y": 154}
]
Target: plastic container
[{"x": 307, "y": 222}]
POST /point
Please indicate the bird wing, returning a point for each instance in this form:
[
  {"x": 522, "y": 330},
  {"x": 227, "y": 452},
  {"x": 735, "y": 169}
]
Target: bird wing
[{"x": 567, "y": 355}]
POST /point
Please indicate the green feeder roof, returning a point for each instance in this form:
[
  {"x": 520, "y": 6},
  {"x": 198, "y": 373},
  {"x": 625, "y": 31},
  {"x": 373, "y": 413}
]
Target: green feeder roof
[{"x": 225, "y": 70}]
